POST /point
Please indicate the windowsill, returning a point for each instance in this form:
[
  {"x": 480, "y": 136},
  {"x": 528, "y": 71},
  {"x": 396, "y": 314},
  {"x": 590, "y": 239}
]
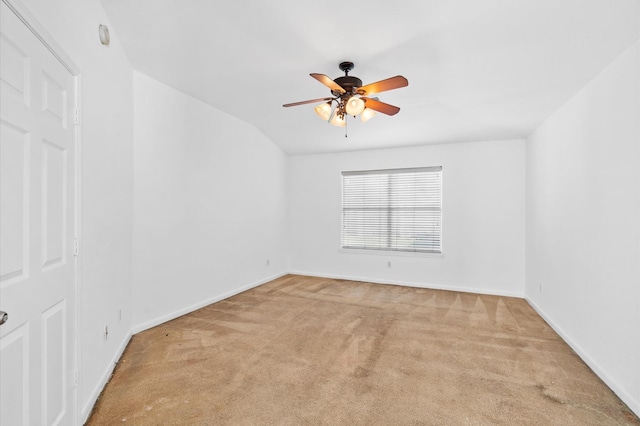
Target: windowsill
[{"x": 391, "y": 253}]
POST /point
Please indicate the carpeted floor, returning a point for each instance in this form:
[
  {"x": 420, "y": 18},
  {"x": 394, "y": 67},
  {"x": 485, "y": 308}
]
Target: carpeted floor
[{"x": 315, "y": 351}]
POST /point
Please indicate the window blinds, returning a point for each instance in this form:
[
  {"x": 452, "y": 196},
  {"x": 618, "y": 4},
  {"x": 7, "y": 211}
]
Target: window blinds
[{"x": 393, "y": 210}]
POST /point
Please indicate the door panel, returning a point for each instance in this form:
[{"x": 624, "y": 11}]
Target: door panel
[
  {"x": 54, "y": 202},
  {"x": 14, "y": 370},
  {"x": 54, "y": 372},
  {"x": 37, "y": 221},
  {"x": 14, "y": 69},
  {"x": 14, "y": 187}
]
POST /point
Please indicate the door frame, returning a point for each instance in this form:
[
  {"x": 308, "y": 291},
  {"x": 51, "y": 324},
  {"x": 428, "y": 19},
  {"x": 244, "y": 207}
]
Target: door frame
[{"x": 32, "y": 24}]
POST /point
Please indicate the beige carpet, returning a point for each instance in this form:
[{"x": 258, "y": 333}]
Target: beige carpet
[{"x": 314, "y": 351}]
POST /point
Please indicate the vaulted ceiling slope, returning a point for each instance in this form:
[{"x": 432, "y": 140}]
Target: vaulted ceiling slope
[{"x": 477, "y": 69}]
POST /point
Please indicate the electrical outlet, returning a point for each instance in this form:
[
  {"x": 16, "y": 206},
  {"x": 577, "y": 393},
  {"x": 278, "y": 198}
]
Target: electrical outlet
[
  {"x": 267, "y": 262},
  {"x": 389, "y": 264}
]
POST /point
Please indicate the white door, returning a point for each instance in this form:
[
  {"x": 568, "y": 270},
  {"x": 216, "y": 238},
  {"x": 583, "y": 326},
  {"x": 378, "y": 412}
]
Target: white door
[{"x": 37, "y": 221}]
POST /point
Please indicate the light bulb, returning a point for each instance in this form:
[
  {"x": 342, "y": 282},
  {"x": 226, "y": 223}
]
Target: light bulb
[
  {"x": 323, "y": 110},
  {"x": 337, "y": 121},
  {"x": 367, "y": 115},
  {"x": 354, "y": 106}
]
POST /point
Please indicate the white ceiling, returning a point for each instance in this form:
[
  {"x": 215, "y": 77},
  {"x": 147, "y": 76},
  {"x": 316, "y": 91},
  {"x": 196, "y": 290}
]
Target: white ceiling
[{"x": 477, "y": 69}]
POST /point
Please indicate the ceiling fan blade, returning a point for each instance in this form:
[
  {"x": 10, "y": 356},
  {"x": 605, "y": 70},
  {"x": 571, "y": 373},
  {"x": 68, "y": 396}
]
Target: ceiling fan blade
[
  {"x": 383, "y": 85},
  {"x": 312, "y": 101},
  {"x": 328, "y": 82},
  {"x": 380, "y": 106}
]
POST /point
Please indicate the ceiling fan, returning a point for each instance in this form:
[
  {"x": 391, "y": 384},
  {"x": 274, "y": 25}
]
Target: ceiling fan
[{"x": 351, "y": 97}]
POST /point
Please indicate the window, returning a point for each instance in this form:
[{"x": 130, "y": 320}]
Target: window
[{"x": 393, "y": 210}]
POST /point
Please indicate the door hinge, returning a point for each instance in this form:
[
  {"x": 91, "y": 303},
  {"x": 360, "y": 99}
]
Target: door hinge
[
  {"x": 76, "y": 116},
  {"x": 76, "y": 246}
]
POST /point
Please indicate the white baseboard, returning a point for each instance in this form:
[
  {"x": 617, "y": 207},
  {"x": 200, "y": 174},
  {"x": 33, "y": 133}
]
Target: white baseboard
[
  {"x": 183, "y": 311},
  {"x": 633, "y": 404},
  {"x": 93, "y": 398},
  {"x": 433, "y": 286}
]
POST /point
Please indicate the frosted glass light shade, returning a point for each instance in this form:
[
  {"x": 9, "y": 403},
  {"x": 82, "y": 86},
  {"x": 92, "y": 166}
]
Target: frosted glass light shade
[
  {"x": 323, "y": 110},
  {"x": 337, "y": 121},
  {"x": 354, "y": 106},
  {"x": 367, "y": 114}
]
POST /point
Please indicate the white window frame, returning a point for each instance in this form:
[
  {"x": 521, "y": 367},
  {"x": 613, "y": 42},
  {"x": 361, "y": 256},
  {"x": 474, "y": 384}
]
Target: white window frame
[{"x": 393, "y": 236}]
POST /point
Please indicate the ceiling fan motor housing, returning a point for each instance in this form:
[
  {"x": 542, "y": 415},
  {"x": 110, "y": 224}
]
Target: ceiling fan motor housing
[{"x": 348, "y": 83}]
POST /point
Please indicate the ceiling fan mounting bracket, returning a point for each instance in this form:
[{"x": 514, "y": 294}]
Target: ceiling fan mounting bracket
[{"x": 346, "y": 67}]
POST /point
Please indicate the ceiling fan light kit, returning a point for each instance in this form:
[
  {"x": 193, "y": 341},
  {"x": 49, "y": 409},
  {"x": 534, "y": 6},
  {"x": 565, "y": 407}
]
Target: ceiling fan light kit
[
  {"x": 355, "y": 105},
  {"x": 351, "y": 97},
  {"x": 338, "y": 120},
  {"x": 324, "y": 110},
  {"x": 367, "y": 115}
]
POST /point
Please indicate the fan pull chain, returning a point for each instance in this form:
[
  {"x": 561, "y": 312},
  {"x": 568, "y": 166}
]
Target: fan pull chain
[{"x": 346, "y": 123}]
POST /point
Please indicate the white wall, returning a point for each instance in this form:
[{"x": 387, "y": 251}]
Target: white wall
[
  {"x": 583, "y": 224},
  {"x": 210, "y": 204},
  {"x": 483, "y": 218},
  {"x": 107, "y": 182}
]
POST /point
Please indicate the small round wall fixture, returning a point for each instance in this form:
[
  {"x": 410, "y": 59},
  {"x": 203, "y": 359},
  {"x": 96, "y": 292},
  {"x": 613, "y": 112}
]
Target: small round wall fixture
[{"x": 104, "y": 34}]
